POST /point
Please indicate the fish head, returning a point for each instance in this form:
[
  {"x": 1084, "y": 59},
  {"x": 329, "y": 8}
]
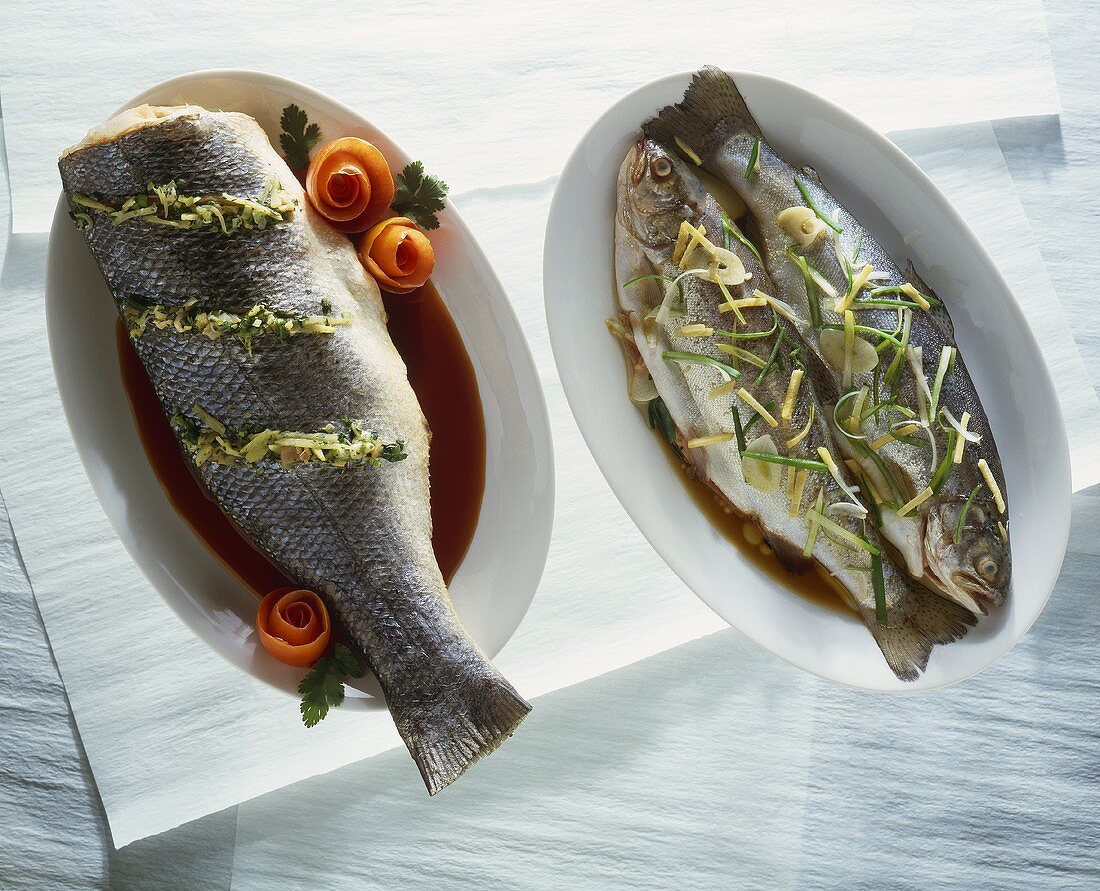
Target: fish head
[
  {"x": 658, "y": 191},
  {"x": 971, "y": 565}
]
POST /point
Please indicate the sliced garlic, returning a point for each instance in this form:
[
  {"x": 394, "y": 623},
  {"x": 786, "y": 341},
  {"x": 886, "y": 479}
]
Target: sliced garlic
[
  {"x": 726, "y": 267},
  {"x": 831, "y": 344},
  {"x": 762, "y": 475},
  {"x": 801, "y": 224}
]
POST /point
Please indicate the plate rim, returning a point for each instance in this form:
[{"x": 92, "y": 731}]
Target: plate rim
[{"x": 532, "y": 402}]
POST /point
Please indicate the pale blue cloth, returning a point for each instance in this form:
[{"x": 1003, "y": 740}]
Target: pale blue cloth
[{"x": 714, "y": 765}]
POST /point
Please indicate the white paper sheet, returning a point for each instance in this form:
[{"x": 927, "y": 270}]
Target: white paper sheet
[
  {"x": 508, "y": 90},
  {"x": 172, "y": 732}
]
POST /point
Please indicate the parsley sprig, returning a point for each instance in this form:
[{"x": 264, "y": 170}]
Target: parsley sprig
[
  {"x": 419, "y": 195},
  {"x": 298, "y": 136},
  {"x": 323, "y": 687}
]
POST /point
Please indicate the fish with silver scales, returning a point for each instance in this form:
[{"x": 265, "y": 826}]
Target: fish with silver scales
[
  {"x": 705, "y": 336},
  {"x": 185, "y": 207},
  {"x": 928, "y": 448}
]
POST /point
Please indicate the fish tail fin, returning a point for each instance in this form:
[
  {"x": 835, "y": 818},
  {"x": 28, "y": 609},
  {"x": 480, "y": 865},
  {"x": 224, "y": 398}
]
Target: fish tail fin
[
  {"x": 448, "y": 726},
  {"x": 914, "y": 626},
  {"x": 712, "y": 97}
]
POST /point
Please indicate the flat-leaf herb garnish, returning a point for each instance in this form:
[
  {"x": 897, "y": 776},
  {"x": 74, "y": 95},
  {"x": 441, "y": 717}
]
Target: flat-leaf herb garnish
[
  {"x": 256, "y": 322},
  {"x": 167, "y": 205},
  {"x": 207, "y": 439},
  {"x": 323, "y": 687},
  {"x": 298, "y": 136},
  {"x": 419, "y": 195}
]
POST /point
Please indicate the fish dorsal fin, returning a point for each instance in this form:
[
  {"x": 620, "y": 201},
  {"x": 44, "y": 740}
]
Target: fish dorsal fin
[
  {"x": 919, "y": 283},
  {"x": 712, "y": 98},
  {"x": 810, "y": 173}
]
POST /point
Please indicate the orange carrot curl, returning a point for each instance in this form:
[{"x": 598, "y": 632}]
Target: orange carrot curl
[
  {"x": 398, "y": 254},
  {"x": 294, "y": 626},
  {"x": 349, "y": 183}
]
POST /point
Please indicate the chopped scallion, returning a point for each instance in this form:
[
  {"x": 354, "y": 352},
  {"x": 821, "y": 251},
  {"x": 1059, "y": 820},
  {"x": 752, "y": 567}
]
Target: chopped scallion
[
  {"x": 841, "y": 533},
  {"x": 698, "y": 359},
  {"x": 815, "y": 207},
  {"x": 739, "y": 353},
  {"x": 947, "y": 359},
  {"x": 738, "y": 430},
  {"x": 812, "y": 297},
  {"x": 877, "y": 332},
  {"x": 962, "y": 514},
  {"x": 729, "y": 229},
  {"x": 800, "y": 463},
  {"x": 946, "y": 465},
  {"x": 754, "y": 159},
  {"x": 880, "y": 588}
]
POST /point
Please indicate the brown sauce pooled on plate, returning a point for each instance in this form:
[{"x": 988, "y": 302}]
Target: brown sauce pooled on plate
[
  {"x": 733, "y": 526},
  {"x": 443, "y": 378}
]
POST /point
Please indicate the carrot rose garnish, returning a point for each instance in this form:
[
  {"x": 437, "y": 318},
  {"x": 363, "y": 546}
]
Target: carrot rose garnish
[
  {"x": 294, "y": 626},
  {"x": 398, "y": 254},
  {"x": 349, "y": 183}
]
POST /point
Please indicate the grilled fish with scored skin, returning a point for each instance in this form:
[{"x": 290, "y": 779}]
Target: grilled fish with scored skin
[
  {"x": 955, "y": 542},
  {"x": 359, "y": 534},
  {"x": 656, "y": 193}
]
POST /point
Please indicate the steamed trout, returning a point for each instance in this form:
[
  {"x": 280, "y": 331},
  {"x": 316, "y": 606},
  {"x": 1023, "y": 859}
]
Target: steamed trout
[
  {"x": 896, "y": 388},
  {"x": 714, "y": 352}
]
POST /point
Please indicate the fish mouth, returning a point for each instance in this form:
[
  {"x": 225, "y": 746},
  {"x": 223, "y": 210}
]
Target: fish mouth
[{"x": 966, "y": 589}]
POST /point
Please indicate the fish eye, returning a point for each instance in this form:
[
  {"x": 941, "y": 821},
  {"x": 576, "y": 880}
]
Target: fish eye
[
  {"x": 660, "y": 168},
  {"x": 987, "y": 568}
]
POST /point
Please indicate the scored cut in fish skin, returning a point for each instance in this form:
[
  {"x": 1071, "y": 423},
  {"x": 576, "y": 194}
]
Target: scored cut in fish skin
[
  {"x": 649, "y": 211},
  {"x": 360, "y": 535},
  {"x": 975, "y": 571}
]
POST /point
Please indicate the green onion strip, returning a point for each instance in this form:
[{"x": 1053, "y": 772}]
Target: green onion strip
[
  {"x": 880, "y": 588},
  {"x": 963, "y": 513},
  {"x": 815, "y": 207}
]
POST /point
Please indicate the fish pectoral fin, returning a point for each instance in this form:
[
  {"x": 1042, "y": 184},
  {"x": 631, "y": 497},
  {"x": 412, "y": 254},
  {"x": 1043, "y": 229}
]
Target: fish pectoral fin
[
  {"x": 912, "y": 629},
  {"x": 454, "y": 724},
  {"x": 812, "y": 175},
  {"x": 789, "y": 555}
]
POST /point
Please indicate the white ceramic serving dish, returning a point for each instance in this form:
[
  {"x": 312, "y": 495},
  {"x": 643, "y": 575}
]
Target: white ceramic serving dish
[
  {"x": 497, "y": 580},
  {"x": 891, "y": 195}
]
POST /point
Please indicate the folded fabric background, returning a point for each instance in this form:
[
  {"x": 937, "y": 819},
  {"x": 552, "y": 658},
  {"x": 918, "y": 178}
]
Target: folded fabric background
[{"x": 165, "y": 741}]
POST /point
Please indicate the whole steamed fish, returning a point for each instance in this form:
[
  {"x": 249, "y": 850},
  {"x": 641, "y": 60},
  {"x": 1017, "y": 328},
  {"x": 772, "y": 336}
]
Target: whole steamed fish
[
  {"x": 288, "y": 398},
  {"x": 717, "y": 363},
  {"x": 897, "y": 391}
]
